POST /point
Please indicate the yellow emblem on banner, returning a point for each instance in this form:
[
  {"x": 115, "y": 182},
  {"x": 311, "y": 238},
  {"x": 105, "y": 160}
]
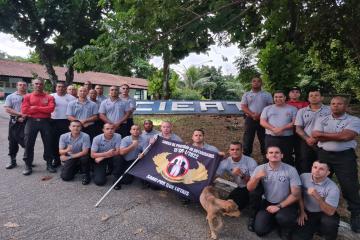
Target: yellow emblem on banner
[{"x": 177, "y": 169}]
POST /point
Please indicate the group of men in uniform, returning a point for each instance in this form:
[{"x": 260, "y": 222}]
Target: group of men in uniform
[
  {"x": 307, "y": 138},
  {"x": 295, "y": 137}
]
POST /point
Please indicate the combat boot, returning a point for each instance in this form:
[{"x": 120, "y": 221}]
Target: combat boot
[
  {"x": 50, "y": 167},
  {"x": 12, "y": 163},
  {"x": 27, "y": 171}
]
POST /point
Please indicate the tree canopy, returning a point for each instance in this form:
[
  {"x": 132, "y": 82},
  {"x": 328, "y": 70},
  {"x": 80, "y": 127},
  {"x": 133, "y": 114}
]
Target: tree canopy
[{"x": 309, "y": 43}]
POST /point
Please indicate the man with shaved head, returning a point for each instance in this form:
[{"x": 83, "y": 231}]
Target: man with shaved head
[
  {"x": 85, "y": 111},
  {"x": 115, "y": 111},
  {"x": 336, "y": 135},
  {"x": 17, "y": 121},
  {"x": 38, "y": 106}
]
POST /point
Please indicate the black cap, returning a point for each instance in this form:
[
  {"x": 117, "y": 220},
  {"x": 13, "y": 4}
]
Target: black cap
[{"x": 295, "y": 88}]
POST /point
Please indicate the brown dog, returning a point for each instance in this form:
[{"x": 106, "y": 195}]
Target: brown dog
[{"x": 216, "y": 208}]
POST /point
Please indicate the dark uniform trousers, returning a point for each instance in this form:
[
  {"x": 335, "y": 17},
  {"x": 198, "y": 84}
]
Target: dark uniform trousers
[
  {"x": 91, "y": 131},
  {"x": 124, "y": 165},
  {"x": 306, "y": 157},
  {"x": 318, "y": 222},
  {"x": 344, "y": 165},
  {"x": 59, "y": 126},
  {"x": 253, "y": 127},
  {"x": 124, "y": 129},
  {"x": 100, "y": 170},
  {"x": 16, "y": 136},
  {"x": 243, "y": 198},
  {"x": 286, "y": 145},
  {"x": 72, "y": 166},
  {"x": 32, "y": 127},
  {"x": 285, "y": 218}
]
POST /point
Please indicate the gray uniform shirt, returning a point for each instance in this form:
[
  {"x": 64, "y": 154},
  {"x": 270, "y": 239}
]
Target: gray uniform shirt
[
  {"x": 131, "y": 102},
  {"x": 77, "y": 144},
  {"x": 246, "y": 164},
  {"x": 101, "y": 144},
  {"x": 14, "y": 101},
  {"x": 132, "y": 155},
  {"x": 81, "y": 111},
  {"x": 256, "y": 101},
  {"x": 210, "y": 148},
  {"x": 61, "y": 104},
  {"x": 329, "y": 124},
  {"x": 100, "y": 98},
  {"x": 114, "y": 110},
  {"x": 277, "y": 182},
  {"x": 148, "y": 135},
  {"x": 279, "y": 117},
  {"x": 327, "y": 189},
  {"x": 306, "y": 118},
  {"x": 172, "y": 137}
]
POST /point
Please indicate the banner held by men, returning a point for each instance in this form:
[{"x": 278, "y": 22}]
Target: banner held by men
[{"x": 181, "y": 168}]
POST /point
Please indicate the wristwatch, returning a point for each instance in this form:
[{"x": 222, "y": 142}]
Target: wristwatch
[{"x": 279, "y": 206}]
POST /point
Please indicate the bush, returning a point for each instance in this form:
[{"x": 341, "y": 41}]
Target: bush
[{"x": 186, "y": 94}]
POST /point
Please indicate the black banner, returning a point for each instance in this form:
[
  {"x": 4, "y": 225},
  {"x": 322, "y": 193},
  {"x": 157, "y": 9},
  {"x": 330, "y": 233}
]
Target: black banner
[{"x": 182, "y": 168}]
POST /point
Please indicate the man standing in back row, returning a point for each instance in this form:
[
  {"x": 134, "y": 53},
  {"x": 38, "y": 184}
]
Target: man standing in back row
[
  {"x": 17, "y": 121},
  {"x": 305, "y": 121},
  {"x": 38, "y": 106},
  {"x": 336, "y": 135},
  {"x": 252, "y": 103},
  {"x": 278, "y": 120},
  {"x": 60, "y": 123},
  {"x": 124, "y": 96},
  {"x": 115, "y": 111}
]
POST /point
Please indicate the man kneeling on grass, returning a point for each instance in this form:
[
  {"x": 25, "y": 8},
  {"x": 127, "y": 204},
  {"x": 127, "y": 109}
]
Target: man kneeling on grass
[{"x": 73, "y": 150}]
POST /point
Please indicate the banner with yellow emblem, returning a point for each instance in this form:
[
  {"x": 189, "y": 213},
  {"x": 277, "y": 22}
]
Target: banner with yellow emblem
[{"x": 181, "y": 168}]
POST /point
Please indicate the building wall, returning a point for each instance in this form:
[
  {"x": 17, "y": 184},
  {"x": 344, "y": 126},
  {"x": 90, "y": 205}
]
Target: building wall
[{"x": 8, "y": 86}]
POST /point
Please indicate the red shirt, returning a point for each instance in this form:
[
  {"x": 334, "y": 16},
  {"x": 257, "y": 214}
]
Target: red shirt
[
  {"x": 298, "y": 104},
  {"x": 38, "y": 105}
]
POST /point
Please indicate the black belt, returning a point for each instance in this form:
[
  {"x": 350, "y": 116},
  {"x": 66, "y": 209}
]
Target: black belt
[
  {"x": 338, "y": 152},
  {"x": 39, "y": 119}
]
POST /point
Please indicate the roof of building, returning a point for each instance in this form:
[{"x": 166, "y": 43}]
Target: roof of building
[{"x": 27, "y": 70}]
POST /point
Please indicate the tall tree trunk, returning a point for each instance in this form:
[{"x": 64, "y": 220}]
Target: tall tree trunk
[
  {"x": 166, "y": 66},
  {"x": 293, "y": 11},
  {"x": 45, "y": 59},
  {"x": 69, "y": 74}
]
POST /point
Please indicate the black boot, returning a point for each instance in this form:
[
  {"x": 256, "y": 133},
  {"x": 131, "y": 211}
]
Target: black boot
[
  {"x": 27, "y": 171},
  {"x": 12, "y": 163},
  {"x": 85, "y": 179},
  {"x": 49, "y": 167},
  {"x": 56, "y": 163}
]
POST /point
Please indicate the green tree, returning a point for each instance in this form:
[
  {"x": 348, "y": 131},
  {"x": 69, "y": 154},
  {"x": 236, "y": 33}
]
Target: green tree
[
  {"x": 155, "y": 84},
  {"x": 67, "y": 23},
  {"x": 171, "y": 29}
]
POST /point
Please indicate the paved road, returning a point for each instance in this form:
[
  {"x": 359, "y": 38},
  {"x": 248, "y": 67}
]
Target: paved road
[{"x": 55, "y": 209}]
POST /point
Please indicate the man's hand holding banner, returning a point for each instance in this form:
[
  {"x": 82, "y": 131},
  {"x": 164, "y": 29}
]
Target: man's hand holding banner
[{"x": 182, "y": 168}]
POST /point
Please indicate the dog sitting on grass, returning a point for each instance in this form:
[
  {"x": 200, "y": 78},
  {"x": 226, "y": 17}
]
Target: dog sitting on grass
[{"x": 216, "y": 208}]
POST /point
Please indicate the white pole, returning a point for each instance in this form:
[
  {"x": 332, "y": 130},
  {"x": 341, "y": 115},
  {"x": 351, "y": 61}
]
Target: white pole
[{"x": 111, "y": 188}]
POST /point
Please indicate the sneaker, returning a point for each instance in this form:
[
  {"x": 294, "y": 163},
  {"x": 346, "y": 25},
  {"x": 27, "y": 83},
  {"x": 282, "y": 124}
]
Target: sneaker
[{"x": 355, "y": 223}]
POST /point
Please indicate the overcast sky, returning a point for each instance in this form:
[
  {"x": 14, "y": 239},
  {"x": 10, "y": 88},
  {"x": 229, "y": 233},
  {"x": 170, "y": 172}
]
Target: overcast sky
[{"x": 216, "y": 56}]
